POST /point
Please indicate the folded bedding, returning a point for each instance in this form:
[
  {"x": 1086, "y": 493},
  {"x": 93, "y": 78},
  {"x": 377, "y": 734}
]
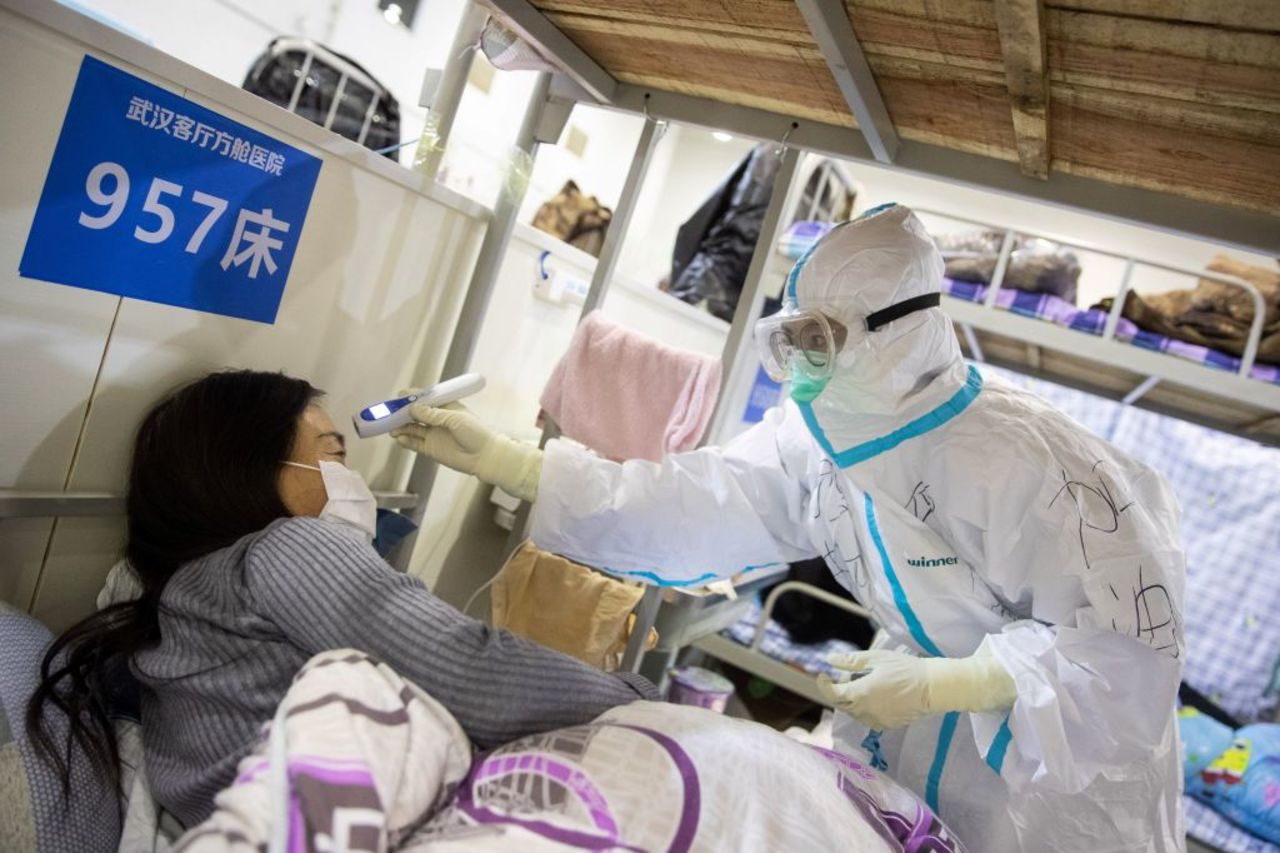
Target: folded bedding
[{"x": 1213, "y": 314}]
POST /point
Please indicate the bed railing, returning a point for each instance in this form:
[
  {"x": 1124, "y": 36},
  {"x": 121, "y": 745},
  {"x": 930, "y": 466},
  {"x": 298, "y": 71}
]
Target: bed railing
[
  {"x": 1132, "y": 263},
  {"x": 806, "y": 589},
  {"x": 19, "y": 503}
]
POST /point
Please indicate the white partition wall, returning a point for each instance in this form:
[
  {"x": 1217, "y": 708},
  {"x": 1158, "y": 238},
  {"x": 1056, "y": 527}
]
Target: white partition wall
[
  {"x": 52, "y": 338},
  {"x": 370, "y": 305}
]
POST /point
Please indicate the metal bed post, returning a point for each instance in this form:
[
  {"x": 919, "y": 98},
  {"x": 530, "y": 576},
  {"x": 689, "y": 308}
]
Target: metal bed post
[
  {"x": 606, "y": 264},
  {"x": 646, "y": 613},
  {"x": 737, "y": 345},
  {"x": 733, "y": 361},
  {"x": 24, "y": 503},
  {"x": 483, "y": 278},
  {"x": 447, "y": 92},
  {"x": 1002, "y": 265},
  {"x": 301, "y": 84},
  {"x": 611, "y": 251},
  {"x": 1117, "y": 307},
  {"x": 1140, "y": 390},
  {"x": 766, "y": 612},
  {"x": 971, "y": 337},
  {"x": 337, "y": 99}
]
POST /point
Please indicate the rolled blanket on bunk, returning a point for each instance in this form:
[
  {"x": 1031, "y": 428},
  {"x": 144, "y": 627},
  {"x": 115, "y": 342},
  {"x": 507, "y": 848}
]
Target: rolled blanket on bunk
[
  {"x": 1035, "y": 266},
  {"x": 1213, "y": 314},
  {"x": 627, "y": 396},
  {"x": 576, "y": 218}
]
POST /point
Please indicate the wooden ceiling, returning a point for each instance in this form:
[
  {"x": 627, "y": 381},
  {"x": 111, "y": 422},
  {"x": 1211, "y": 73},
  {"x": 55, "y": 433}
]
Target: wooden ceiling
[{"x": 1177, "y": 96}]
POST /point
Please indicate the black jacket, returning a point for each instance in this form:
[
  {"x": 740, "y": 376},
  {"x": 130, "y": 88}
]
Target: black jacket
[{"x": 714, "y": 246}]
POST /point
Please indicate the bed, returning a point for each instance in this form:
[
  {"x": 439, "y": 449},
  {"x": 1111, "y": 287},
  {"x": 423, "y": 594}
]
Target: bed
[
  {"x": 1093, "y": 321},
  {"x": 1106, "y": 354}
]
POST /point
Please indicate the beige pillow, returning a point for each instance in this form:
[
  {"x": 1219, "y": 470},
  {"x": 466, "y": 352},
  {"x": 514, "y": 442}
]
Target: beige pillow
[{"x": 564, "y": 606}]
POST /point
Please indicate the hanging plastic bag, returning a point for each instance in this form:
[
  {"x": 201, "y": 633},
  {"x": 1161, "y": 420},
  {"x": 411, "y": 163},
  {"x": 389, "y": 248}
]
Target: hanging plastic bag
[
  {"x": 518, "y": 173},
  {"x": 506, "y": 51},
  {"x": 430, "y": 146}
]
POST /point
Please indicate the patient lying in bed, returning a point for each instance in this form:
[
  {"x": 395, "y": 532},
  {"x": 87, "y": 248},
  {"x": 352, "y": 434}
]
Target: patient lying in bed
[{"x": 375, "y": 763}]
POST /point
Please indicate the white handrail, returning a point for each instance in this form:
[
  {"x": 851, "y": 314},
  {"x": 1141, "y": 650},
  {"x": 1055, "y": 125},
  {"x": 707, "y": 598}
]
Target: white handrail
[
  {"x": 30, "y": 503},
  {"x": 1251, "y": 343},
  {"x": 807, "y": 589},
  {"x": 1117, "y": 304},
  {"x": 344, "y": 67},
  {"x": 1002, "y": 267}
]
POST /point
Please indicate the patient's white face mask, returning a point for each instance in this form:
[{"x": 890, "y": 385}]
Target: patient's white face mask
[{"x": 350, "y": 502}]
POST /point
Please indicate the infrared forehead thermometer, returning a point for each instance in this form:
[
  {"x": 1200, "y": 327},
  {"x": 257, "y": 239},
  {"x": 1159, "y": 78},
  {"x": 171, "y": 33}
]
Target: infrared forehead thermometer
[
  {"x": 846, "y": 677},
  {"x": 382, "y": 417}
]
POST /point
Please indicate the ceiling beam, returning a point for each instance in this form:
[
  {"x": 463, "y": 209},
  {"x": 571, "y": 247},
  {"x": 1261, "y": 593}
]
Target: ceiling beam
[
  {"x": 829, "y": 23},
  {"x": 530, "y": 24},
  {"x": 1261, "y": 16},
  {"x": 1251, "y": 231},
  {"x": 1022, "y": 41}
]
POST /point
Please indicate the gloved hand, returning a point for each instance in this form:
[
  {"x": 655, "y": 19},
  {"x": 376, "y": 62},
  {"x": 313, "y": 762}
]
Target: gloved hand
[
  {"x": 899, "y": 689},
  {"x": 459, "y": 440}
]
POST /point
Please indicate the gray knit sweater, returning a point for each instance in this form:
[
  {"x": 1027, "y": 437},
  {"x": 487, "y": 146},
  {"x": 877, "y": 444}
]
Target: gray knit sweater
[{"x": 237, "y": 624}]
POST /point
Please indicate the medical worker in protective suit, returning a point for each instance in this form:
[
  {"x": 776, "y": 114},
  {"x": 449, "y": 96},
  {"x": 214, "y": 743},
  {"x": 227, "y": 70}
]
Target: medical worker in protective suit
[{"x": 1026, "y": 572}]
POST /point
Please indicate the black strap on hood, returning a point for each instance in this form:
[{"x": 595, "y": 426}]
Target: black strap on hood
[{"x": 885, "y": 316}]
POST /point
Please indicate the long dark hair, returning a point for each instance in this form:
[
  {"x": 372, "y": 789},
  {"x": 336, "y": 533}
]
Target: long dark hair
[{"x": 204, "y": 473}]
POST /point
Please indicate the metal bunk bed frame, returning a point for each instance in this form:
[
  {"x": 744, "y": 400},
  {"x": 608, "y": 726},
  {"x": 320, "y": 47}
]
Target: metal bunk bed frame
[
  {"x": 754, "y": 661},
  {"x": 1181, "y": 371},
  {"x": 585, "y": 81}
]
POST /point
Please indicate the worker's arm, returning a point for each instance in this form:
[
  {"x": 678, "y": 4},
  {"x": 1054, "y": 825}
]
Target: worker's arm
[
  {"x": 695, "y": 517},
  {"x": 325, "y": 589},
  {"x": 692, "y": 518}
]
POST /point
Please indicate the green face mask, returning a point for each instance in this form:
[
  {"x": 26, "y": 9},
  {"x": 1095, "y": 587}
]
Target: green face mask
[{"x": 805, "y": 389}]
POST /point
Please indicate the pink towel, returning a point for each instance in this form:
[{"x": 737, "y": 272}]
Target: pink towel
[{"x": 627, "y": 396}]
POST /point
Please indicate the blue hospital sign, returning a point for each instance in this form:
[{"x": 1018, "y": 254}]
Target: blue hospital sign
[{"x": 154, "y": 197}]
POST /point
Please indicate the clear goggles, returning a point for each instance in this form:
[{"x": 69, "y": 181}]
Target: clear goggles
[
  {"x": 792, "y": 340},
  {"x": 808, "y": 341}
]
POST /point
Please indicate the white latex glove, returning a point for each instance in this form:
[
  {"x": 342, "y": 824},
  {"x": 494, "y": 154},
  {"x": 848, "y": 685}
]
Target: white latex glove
[
  {"x": 898, "y": 689},
  {"x": 459, "y": 440}
]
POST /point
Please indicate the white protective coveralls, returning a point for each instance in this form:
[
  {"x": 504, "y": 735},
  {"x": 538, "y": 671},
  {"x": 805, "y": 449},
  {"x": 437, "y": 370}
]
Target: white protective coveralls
[{"x": 962, "y": 511}]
